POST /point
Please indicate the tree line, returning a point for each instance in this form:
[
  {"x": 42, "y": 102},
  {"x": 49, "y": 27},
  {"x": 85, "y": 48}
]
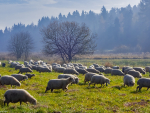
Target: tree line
[{"x": 125, "y": 28}]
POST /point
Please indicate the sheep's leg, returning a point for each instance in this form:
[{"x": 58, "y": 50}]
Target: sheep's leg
[
  {"x": 124, "y": 84},
  {"x": 140, "y": 88},
  {"x": 20, "y": 103},
  {"x": 4, "y": 103},
  {"x": 90, "y": 83},
  {"x": 51, "y": 90},
  {"x": 7, "y": 103},
  {"x": 147, "y": 88}
]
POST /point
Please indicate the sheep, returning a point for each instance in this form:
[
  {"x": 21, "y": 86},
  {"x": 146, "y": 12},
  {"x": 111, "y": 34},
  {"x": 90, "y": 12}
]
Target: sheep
[
  {"x": 101, "y": 69},
  {"x": 143, "y": 82},
  {"x": 20, "y": 77},
  {"x": 147, "y": 68},
  {"x": 92, "y": 70},
  {"x": 18, "y": 95},
  {"x": 79, "y": 64},
  {"x": 82, "y": 67},
  {"x": 0, "y": 63},
  {"x": 44, "y": 69},
  {"x": 116, "y": 72},
  {"x": 82, "y": 71},
  {"x": 30, "y": 75},
  {"x": 115, "y": 67},
  {"x": 24, "y": 70},
  {"x": 108, "y": 70},
  {"x": 135, "y": 73},
  {"x": 74, "y": 64},
  {"x": 70, "y": 71},
  {"x": 140, "y": 69},
  {"x": 91, "y": 66},
  {"x": 60, "y": 69},
  {"x": 125, "y": 67},
  {"x": 18, "y": 66},
  {"x": 127, "y": 70},
  {"x": 88, "y": 77},
  {"x": 99, "y": 79},
  {"x": 95, "y": 65},
  {"x": 59, "y": 84},
  {"x": 128, "y": 80},
  {"x": 9, "y": 80},
  {"x": 76, "y": 79}
]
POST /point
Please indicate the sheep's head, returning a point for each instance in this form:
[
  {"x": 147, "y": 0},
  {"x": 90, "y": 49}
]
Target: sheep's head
[
  {"x": 25, "y": 77},
  {"x": 33, "y": 101},
  {"x": 131, "y": 83}
]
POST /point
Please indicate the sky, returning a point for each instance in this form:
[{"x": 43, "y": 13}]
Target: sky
[{"x": 30, "y": 11}]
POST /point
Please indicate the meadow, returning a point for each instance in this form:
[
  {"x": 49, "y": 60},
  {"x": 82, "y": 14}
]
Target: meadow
[{"x": 80, "y": 98}]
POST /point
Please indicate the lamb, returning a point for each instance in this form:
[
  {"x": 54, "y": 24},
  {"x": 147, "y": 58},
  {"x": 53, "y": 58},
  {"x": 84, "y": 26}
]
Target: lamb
[
  {"x": 88, "y": 77},
  {"x": 76, "y": 79},
  {"x": 135, "y": 73},
  {"x": 70, "y": 71},
  {"x": 59, "y": 84},
  {"x": 108, "y": 70},
  {"x": 20, "y": 77},
  {"x": 140, "y": 69},
  {"x": 44, "y": 69},
  {"x": 82, "y": 71},
  {"x": 99, "y": 79},
  {"x": 30, "y": 75},
  {"x": 18, "y": 95},
  {"x": 116, "y": 72},
  {"x": 128, "y": 80},
  {"x": 24, "y": 70},
  {"x": 101, "y": 69},
  {"x": 92, "y": 70},
  {"x": 143, "y": 82},
  {"x": 9, "y": 80},
  {"x": 60, "y": 69}
]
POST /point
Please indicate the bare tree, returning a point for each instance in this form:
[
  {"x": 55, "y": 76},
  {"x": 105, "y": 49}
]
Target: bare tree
[
  {"x": 20, "y": 44},
  {"x": 67, "y": 39}
]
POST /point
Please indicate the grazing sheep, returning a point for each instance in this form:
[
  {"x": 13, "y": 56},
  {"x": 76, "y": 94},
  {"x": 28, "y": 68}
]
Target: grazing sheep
[
  {"x": 99, "y": 79},
  {"x": 88, "y": 77},
  {"x": 143, "y": 82},
  {"x": 91, "y": 66},
  {"x": 101, "y": 69},
  {"x": 60, "y": 69},
  {"x": 108, "y": 70},
  {"x": 125, "y": 67},
  {"x": 95, "y": 65},
  {"x": 30, "y": 75},
  {"x": 92, "y": 70},
  {"x": 70, "y": 71},
  {"x": 3, "y": 64},
  {"x": 136, "y": 74},
  {"x": 76, "y": 79},
  {"x": 20, "y": 77},
  {"x": 82, "y": 67},
  {"x": 59, "y": 84},
  {"x": 140, "y": 69},
  {"x": 18, "y": 66},
  {"x": 82, "y": 71},
  {"x": 18, "y": 95},
  {"x": 79, "y": 64},
  {"x": 44, "y": 69},
  {"x": 9, "y": 80},
  {"x": 147, "y": 68},
  {"x": 74, "y": 64},
  {"x": 116, "y": 72},
  {"x": 24, "y": 70},
  {"x": 115, "y": 67},
  {"x": 128, "y": 80},
  {"x": 34, "y": 67},
  {"x": 127, "y": 70}
]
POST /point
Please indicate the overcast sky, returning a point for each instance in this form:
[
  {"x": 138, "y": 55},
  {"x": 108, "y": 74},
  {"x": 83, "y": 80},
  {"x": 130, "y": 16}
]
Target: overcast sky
[{"x": 28, "y": 11}]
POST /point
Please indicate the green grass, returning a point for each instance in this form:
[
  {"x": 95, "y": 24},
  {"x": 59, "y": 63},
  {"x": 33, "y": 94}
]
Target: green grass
[{"x": 79, "y": 98}]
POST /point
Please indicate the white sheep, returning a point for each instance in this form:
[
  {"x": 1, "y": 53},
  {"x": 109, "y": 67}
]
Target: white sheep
[
  {"x": 99, "y": 79},
  {"x": 135, "y": 73},
  {"x": 143, "y": 82},
  {"x": 30, "y": 75},
  {"x": 9, "y": 80},
  {"x": 59, "y": 84},
  {"x": 18, "y": 95},
  {"x": 76, "y": 79},
  {"x": 117, "y": 72},
  {"x": 20, "y": 77},
  {"x": 25, "y": 70},
  {"x": 88, "y": 77},
  {"x": 128, "y": 80}
]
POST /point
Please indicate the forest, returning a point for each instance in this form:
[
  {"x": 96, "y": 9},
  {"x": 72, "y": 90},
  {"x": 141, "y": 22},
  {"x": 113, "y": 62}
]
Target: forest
[{"x": 120, "y": 30}]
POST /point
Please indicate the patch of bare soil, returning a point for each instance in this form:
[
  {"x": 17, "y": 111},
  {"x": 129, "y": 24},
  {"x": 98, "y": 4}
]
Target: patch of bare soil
[{"x": 142, "y": 103}]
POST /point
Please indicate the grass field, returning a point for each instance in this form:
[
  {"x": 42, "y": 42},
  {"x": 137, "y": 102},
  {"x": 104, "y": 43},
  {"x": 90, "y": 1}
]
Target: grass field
[{"x": 81, "y": 98}]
